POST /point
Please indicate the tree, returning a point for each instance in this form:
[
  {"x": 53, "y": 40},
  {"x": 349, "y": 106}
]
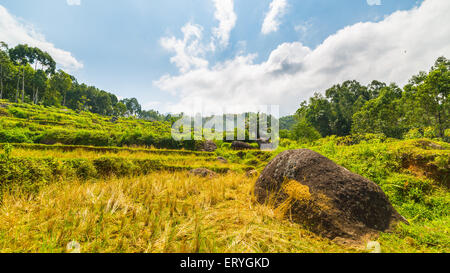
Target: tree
[
  {"x": 5, "y": 67},
  {"x": 374, "y": 89},
  {"x": 151, "y": 115},
  {"x": 432, "y": 95},
  {"x": 120, "y": 109},
  {"x": 425, "y": 98},
  {"x": 133, "y": 106},
  {"x": 28, "y": 74},
  {"x": 381, "y": 115},
  {"x": 44, "y": 60},
  {"x": 287, "y": 123},
  {"x": 318, "y": 113},
  {"x": 82, "y": 104},
  {"x": 333, "y": 113},
  {"x": 60, "y": 83},
  {"x": 101, "y": 103},
  {"x": 40, "y": 83},
  {"x": 304, "y": 131},
  {"x": 22, "y": 55},
  {"x": 47, "y": 68},
  {"x": 346, "y": 99}
]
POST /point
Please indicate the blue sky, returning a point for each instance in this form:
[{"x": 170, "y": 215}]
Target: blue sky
[{"x": 119, "y": 43}]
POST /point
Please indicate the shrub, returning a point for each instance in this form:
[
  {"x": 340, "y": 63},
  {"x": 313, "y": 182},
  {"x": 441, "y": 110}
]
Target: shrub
[
  {"x": 17, "y": 135},
  {"x": 83, "y": 169},
  {"x": 305, "y": 132},
  {"x": 429, "y": 132},
  {"x": 413, "y": 134},
  {"x": 4, "y": 112},
  {"x": 18, "y": 113},
  {"x": 107, "y": 166}
]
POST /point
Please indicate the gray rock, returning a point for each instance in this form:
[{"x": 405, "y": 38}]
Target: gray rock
[
  {"x": 252, "y": 173},
  {"x": 203, "y": 172},
  {"x": 206, "y": 146},
  {"x": 239, "y": 145},
  {"x": 222, "y": 159}
]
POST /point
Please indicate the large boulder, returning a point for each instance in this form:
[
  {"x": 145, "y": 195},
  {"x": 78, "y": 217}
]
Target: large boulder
[{"x": 325, "y": 197}]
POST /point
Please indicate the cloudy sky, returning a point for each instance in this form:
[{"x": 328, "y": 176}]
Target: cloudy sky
[{"x": 173, "y": 55}]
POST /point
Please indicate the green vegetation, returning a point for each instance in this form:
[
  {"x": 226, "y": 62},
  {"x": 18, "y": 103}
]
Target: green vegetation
[
  {"x": 27, "y": 74},
  {"x": 26, "y": 123},
  {"x": 159, "y": 211},
  {"x": 415, "y": 174},
  {"x": 350, "y": 108},
  {"x": 77, "y": 164}
]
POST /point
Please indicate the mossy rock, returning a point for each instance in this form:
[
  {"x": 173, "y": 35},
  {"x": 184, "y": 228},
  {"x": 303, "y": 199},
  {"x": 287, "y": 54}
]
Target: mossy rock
[{"x": 325, "y": 197}]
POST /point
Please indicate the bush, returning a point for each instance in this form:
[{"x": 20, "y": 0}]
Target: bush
[
  {"x": 28, "y": 174},
  {"x": 4, "y": 112},
  {"x": 82, "y": 168},
  {"x": 429, "y": 132},
  {"x": 18, "y": 113},
  {"x": 447, "y": 135},
  {"x": 226, "y": 145},
  {"x": 17, "y": 135},
  {"x": 413, "y": 134},
  {"x": 305, "y": 132},
  {"x": 107, "y": 166}
]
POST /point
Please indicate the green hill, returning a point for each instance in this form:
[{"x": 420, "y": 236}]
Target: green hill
[{"x": 26, "y": 123}]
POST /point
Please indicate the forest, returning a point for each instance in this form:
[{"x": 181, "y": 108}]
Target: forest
[{"x": 420, "y": 108}]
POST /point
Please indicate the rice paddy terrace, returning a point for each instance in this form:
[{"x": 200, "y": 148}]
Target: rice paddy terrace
[{"x": 124, "y": 186}]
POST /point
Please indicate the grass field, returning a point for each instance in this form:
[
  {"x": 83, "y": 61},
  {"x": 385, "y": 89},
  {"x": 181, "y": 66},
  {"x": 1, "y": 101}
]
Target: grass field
[{"x": 142, "y": 199}]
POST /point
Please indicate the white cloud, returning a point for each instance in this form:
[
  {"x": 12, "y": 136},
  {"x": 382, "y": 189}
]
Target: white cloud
[
  {"x": 227, "y": 20},
  {"x": 188, "y": 51},
  {"x": 74, "y": 2},
  {"x": 391, "y": 50},
  {"x": 13, "y": 32},
  {"x": 304, "y": 29},
  {"x": 374, "y": 2},
  {"x": 272, "y": 20}
]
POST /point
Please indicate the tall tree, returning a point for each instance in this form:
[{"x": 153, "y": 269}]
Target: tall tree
[
  {"x": 430, "y": 95},
  {"x": 346, "y": 99},
  {"x": 39, "y": 83},
  {"x": 61, "y": 82},
  {"x": 22, "y": 55},
  {"x": 382, "y": 114},
  {"x": 47, "y": 67},
  {"x": 5, "y": 66},
  {"x": 133, "y": 106},
  {"x": 318, "y": 113}
]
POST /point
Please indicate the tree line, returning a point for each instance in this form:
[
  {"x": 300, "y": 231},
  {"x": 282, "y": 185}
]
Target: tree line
[
  {"x": 28, "y": 74},
  {"x": 421, "y": 107}
]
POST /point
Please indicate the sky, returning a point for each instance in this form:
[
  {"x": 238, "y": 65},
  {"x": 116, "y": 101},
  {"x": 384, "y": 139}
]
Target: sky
[{"x": 176, "y": 56}]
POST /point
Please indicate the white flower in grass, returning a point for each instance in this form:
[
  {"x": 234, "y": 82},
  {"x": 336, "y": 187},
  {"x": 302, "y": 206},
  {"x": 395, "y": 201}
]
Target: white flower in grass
[{"x": 74, "y": 247}]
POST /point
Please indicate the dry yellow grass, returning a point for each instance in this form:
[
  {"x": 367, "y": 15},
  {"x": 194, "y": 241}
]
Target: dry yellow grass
[
  {"x": 188, "y": 160},
  {"x": 162, "y": 212},
  {"x": 81, "y": 153}
]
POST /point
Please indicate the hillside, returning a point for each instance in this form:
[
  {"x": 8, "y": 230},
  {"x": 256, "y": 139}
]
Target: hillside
[
  {"x": 26, "y": 123},
  {"x": 60, "y": 185}
]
